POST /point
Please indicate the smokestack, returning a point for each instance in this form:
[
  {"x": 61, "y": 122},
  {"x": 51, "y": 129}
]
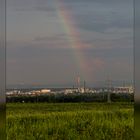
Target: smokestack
[
  {"x": 84, "y": 85},
  {"x": 78, "y": 82}
]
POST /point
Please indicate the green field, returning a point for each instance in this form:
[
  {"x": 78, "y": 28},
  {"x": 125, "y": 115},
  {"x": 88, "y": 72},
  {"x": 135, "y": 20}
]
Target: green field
[{"x": 70, "y": 121}]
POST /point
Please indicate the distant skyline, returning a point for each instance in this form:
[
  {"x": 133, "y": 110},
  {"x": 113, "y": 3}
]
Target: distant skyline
[{"x": 52, "y": 42}]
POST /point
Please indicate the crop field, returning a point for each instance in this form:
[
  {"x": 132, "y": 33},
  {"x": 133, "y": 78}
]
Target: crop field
[{"x": 70, "y": 121}]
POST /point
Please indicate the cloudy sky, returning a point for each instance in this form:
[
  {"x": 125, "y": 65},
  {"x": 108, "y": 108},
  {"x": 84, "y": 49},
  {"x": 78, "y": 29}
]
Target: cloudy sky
[{"x": 51, "y": 42}]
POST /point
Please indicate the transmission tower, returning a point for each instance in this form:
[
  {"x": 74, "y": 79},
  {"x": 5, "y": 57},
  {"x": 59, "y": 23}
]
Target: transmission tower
[{"x": 109, "y": 87}]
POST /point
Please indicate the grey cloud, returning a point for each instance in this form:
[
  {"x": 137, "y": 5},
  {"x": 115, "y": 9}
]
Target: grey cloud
[
  {"x": 101, "y": 15},
  {"x": 104, "y": 26},
  {"x": 101, "y": 21},
  {"x": 35, "y": 8},
  {"x": 45, "y": 8},
  {"x": 30, "y": 5},
  {"x": 51, "y": 38}
]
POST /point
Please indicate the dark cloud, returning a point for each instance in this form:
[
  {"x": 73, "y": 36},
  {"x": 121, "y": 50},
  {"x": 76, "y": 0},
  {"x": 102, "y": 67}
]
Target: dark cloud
[
  {"x": 95, "y": 20},
  {"x": 30, "y": 5}
]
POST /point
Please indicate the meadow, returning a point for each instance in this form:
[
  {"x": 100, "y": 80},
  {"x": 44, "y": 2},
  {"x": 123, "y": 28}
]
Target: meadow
[{"x": 70, "y": 121}]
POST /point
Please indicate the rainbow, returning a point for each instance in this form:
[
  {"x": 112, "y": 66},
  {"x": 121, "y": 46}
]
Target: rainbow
[{"x": 74, "y": 39}]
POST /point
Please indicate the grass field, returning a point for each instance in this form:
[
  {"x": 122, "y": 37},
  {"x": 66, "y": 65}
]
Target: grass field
[{"x": 70, "y": 121}]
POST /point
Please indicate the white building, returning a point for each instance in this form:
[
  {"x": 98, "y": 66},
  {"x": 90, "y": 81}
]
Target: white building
[
  {"x": 45, "y": 91},
  {"x": 67, "y": 91}
]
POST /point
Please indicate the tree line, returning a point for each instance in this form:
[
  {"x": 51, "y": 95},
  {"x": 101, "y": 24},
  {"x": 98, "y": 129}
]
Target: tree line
[{"x": 58, "y": 98}]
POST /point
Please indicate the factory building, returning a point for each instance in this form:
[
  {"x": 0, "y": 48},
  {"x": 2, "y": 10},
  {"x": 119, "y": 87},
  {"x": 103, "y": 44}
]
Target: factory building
[{"x": 126, "y": 89}]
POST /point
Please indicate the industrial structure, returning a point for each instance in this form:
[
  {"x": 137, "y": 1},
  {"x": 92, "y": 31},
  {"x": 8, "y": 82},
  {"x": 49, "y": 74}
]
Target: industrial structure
[{"x": 78, "y": 89}]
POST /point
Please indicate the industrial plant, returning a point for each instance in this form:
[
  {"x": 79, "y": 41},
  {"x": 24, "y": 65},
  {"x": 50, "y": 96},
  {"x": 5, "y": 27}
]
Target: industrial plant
[{"x": 79, "y": 88}]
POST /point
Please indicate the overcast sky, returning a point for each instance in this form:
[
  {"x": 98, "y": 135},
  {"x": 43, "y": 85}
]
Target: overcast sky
[{"x": 39, "y": 36}]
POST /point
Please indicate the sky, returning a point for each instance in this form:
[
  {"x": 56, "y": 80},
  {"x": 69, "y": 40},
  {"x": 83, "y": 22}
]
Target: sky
[{"x": 52, "y": 42}]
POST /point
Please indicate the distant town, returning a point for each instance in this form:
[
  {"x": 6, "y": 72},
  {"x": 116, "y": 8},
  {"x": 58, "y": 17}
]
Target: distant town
[{"x": 81, "y": 90}]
